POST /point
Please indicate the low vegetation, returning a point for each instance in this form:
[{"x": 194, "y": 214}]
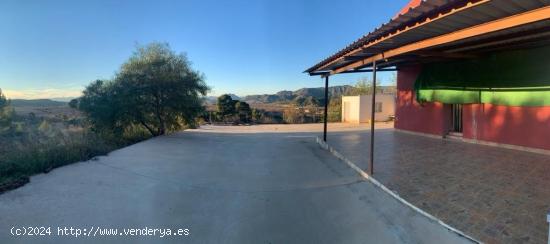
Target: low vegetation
[
  {"x": 155, "y": 92},
  {"x": 31, "y": 144}
]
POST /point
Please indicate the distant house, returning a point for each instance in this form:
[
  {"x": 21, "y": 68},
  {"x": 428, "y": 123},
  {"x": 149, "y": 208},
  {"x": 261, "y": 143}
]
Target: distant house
[{"x": 357, "y": 109}]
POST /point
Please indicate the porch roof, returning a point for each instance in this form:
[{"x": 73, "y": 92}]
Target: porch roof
[{"x": 438, "y": 29}]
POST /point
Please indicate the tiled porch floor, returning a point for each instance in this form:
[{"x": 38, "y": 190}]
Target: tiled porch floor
[{"x": 495, "y": 195}]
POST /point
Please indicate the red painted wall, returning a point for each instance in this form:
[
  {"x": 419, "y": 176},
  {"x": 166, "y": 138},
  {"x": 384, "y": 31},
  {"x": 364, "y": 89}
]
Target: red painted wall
[
  {"x": 522, "y": 126},
  {"x": 429, "y": 118}
]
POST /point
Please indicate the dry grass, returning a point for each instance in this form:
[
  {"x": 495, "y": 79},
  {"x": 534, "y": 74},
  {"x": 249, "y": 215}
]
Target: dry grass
[
  {"x": 47, "y": 112},
  {"x": 52, "y": 138}
]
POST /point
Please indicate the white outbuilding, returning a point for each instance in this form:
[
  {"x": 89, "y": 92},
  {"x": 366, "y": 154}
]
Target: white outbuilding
[{"x": 357, "y": 109}]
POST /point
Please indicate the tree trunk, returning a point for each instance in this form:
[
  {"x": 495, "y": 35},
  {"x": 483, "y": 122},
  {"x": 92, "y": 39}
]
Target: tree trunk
[
  {"x": 148, "y": 128},
  {"x": 159, "y": 111}
]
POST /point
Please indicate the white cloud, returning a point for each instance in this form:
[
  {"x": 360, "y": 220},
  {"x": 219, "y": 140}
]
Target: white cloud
[{"x": 42, "y": 93}]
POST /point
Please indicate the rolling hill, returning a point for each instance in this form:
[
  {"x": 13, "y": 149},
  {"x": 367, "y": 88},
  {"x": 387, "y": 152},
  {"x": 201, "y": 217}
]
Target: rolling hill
[{"x": 37, "y": 103}]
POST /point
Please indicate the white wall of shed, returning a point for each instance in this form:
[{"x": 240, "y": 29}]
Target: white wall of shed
[{"x": 360, "y": 108}]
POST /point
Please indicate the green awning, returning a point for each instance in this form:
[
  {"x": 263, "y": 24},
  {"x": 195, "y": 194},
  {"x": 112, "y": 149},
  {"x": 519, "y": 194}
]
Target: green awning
[{"x": 512, "y": 78}]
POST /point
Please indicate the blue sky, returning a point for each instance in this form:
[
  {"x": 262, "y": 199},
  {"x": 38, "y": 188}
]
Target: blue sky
[{"x": 55, "y": 48}]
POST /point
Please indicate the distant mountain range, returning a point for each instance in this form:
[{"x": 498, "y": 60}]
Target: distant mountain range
[
  {"x": 36, "y": 103},
  {"x": 62, "y": 99},
  {"x": 287, "y": 96}
]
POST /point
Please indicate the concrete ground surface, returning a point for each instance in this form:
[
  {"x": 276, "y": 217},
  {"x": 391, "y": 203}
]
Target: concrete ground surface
[
  {"x": 224, "y": 188},
  {"x": 493, "y": 194}
]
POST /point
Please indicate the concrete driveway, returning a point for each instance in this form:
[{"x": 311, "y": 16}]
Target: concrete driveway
[{"x": 222, "y": 188}]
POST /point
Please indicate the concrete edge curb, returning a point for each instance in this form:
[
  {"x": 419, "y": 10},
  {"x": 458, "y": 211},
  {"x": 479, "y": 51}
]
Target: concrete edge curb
[
  {"x": 366, "y": 176},
  {"x": 480, "y": 142}
]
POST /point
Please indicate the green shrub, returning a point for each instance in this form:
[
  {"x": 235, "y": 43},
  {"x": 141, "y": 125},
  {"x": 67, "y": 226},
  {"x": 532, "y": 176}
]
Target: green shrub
[{"x": 40, "y": 151}]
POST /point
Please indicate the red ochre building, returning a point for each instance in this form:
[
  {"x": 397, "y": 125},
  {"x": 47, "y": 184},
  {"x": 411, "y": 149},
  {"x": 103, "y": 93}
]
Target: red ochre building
[{"x": 474, "y": 70}]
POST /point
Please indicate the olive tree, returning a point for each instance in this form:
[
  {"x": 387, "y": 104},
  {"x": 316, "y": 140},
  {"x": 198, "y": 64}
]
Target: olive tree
[
  {"x": 243, "y": 111},
  {"x": 156, "y": 89},
  {"x": 226, "y": 105}
]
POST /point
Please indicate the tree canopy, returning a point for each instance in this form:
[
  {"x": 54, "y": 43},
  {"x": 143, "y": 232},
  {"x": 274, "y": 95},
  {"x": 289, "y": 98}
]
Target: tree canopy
[
  {"x": 226, "y": 105},
  {"x": 3, "y": 100},
  {"x": 243, "y": 111},
  {"x": 236, "y": 110},
  {"x": 6, "y": 113},
  {"x": 363, "y": 87},
  {"x": 156, "y": 89}
]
